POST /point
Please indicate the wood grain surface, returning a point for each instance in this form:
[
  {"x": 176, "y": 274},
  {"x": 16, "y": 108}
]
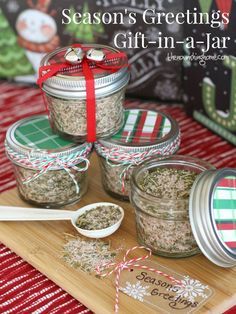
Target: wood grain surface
[{"x": 40, "y": 244}]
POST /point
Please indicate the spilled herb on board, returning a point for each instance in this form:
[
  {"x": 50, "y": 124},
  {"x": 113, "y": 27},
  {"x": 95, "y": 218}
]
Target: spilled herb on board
[{"x": 86, "y": 254}]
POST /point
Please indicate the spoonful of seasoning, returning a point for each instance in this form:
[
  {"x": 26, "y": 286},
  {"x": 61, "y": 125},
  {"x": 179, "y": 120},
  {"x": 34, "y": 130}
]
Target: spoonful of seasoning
[{"x": 97, "y": 220}]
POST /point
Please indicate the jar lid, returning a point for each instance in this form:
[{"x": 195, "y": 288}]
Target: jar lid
[
  {"x": 145, "y": 129},
  {"x": 70, "y": 82},
  {"x": 212, "y": 211},
  {"x": 33, "y": 137}
]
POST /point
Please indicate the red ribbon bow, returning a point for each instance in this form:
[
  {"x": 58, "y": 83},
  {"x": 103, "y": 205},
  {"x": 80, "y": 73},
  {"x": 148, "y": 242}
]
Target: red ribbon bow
[{"x": 47, "y": 71}]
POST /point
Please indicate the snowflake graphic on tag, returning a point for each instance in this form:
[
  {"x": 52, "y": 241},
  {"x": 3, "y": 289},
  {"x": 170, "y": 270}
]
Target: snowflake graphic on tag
[
  {"x": 136, "y": 291},
  {"x": 191, "y": 289},
  {"x": 162, "y": 294}
]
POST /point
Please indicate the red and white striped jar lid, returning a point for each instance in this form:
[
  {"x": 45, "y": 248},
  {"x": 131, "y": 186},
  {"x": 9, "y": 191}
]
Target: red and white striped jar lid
[
  {"x": 213, "y": 215},
  {"x": 144, "y": 129}
]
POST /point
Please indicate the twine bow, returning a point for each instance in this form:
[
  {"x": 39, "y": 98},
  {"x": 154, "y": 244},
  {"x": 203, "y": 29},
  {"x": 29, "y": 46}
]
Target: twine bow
[
  {"x": 115, "y": 157},
  {"x": 47, "y": 71},
  {"x": 52, "y": 161},
  {"x": 126, "y": 263},
  {"x": 67, "y": 166},
  {"x": 128, "y": 165}
]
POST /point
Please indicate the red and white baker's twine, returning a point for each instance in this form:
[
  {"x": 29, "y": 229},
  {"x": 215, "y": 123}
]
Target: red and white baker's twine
[
  {"x": 129, "y": 264},
  {"x": 129, "y": 159},
  {"x": 51, "y": 162}
]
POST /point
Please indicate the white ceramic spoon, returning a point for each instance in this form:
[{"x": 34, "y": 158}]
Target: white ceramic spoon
[{"x": 9, "y": 213}]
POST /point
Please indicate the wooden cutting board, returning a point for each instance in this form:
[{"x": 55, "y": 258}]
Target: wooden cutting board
[{"x": 40, "y": 244}]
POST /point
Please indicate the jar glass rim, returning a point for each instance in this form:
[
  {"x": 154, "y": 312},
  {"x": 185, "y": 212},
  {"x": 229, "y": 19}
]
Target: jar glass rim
[{"x": 180, "y": 160}]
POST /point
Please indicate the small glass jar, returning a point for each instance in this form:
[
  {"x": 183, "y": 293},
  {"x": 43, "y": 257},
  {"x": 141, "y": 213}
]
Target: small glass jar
[
  {"x": 145, "y": 133},
  {"x": 160, "y": 192},
  {"x": 49, "y": 171},
  {"x": 65, "y": 96}
]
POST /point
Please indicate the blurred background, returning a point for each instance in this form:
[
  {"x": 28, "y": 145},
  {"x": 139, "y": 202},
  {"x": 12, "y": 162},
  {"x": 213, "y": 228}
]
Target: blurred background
[{"x": 31, "y": 28}]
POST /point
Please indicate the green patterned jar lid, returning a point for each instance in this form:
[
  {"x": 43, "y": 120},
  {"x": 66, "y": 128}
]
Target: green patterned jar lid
[
  {"x": 144, "y": 129},
  {"x": 213, "y": 215},
  {"x": 34, "y": 135}
]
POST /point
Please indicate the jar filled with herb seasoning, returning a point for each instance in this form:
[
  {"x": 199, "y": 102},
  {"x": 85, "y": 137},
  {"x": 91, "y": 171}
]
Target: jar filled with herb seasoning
[
  {"x": 160, "y": 191},
  {"x": 84, "y": 90},
  {"x": 49, "y": 171},
  {"x": 144, "y": 134}
]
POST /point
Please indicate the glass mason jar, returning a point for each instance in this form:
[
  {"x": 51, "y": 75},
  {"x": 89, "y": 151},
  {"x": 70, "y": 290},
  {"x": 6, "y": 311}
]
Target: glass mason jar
[
  {"x": 65, "y": 95},
  {"x": 160, "y": 192},
  {"x": 49, "y": 171},
  {"x": 145, "y": 133}
]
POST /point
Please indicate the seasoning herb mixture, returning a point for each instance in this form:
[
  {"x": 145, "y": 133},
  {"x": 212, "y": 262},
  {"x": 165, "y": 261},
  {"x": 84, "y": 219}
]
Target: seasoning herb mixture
[
  {"x": 168, "y": 183},
  {"x": 163, "y": 225},
  {"x": 111, "y": 178},
  {"x": 50, "y": 171},
  {"x": 69, "y": 116},
  {"x": 144, "y": 134},
  {"x": 52, "y": 187},
  {"x": 166, "y": 237},
  {"x": 98, "y": 218},
  {"x": 86, "y": 255}
]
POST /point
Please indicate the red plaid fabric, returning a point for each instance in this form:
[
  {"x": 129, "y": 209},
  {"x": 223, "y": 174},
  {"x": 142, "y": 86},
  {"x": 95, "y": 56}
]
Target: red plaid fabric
[{"x": 23, "y": 289}]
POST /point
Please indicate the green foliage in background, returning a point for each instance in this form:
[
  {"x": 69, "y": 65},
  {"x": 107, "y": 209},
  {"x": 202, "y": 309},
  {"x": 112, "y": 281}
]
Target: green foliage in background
[
  {"x": 85, "y": 33},
  {"x": 13, "y": 61}
]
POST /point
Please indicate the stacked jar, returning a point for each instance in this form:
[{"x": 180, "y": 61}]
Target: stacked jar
[
  {"x": 49, "y": 171},
  {"x": 145, "y": 134},
  {"x": 91, "y": 71},
  {"x": 83, "y": 89},
  {"x": 180, "y": 202}
]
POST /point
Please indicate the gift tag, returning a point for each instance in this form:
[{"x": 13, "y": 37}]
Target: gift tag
[{"x": 161, "y": 293}]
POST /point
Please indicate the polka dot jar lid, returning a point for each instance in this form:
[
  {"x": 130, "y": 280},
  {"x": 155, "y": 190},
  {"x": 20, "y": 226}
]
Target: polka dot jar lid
[{"x": 213, "y": 215}]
